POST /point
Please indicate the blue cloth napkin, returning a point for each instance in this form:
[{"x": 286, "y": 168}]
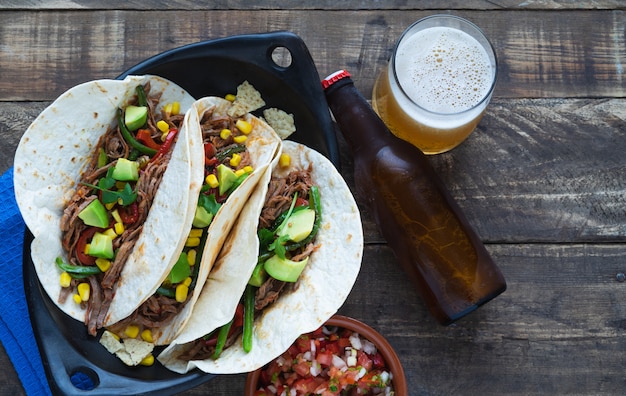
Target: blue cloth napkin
[{"x": 16, "y": 333}]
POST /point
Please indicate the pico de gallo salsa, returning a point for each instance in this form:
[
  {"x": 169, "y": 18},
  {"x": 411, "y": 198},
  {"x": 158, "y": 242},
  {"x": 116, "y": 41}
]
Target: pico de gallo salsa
[{"x": 328, "y": 361}]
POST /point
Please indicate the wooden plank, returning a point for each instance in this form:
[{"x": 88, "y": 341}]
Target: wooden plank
[
  {"x": 541, "y": 54},
  {"x": 541, "y": 170},
  {"x": 309, "y": 5}
]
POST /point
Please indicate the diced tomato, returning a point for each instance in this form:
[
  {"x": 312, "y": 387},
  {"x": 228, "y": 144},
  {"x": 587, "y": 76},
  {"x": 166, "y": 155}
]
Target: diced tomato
[
  {"x": 305, "y": 385},
  {"x": 343, "y": 343},
  {"x": 293, "y": 351},
  {"x": 378, "y": 361},
  {"x": 302, "y": 368},
  {"x": 324, "y": 358},
  {"x": 364, "y": 361},
  {"x": 83, "y": 239},
  {"x": 129, "y": 214},
  {"x": 303, "y": 344},
  {"x": 301, "y": 202},
  {"x": 333, "y": 347}
]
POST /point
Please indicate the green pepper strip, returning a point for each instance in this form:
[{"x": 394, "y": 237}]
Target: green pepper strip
[
  {"x": 229, "y": 151},
  {"x": 142, "y": 100},
  {"x": 128, "y": 136},
  {"x": 315, "y": 204},
  {"x": 248, "y": 317},
  {"x": 221, "y": 339},
  {"x": 77, "y": 271}
]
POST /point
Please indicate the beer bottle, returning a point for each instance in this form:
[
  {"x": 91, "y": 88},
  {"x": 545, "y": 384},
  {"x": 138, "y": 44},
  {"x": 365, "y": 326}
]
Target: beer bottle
[{"x": 415, "y": 213}]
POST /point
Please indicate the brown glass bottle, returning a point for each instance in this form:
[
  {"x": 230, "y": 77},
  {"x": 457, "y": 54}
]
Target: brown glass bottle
[{"x": 421, "y": 222}]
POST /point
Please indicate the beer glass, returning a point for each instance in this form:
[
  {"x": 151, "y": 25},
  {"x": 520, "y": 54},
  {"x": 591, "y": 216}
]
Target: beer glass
[{"x": 437, "y": 84}]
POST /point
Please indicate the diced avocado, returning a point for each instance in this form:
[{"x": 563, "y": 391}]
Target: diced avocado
[
  {"x": 101, "y": 246},
  {"x": 180, "y": 271},
  {"x": 284, "y": 269},
  {"x": 126, "y": 170},
  {"x": 135, "y": 117},
  {"x": 95, "y": 215},
  {"x": 202, "y": 218},
  {"x": 299, "y": 225},
  {"x": 226, "y": 177},
  {"x": 259, "y": 276}
]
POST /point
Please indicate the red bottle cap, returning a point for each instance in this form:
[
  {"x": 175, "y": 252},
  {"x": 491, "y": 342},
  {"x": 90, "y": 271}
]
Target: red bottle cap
[{"x": 333, "y": 78}]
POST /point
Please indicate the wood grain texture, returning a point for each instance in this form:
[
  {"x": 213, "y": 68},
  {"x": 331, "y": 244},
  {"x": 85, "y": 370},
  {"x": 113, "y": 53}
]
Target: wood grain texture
[{"x": 541, "y": 53}]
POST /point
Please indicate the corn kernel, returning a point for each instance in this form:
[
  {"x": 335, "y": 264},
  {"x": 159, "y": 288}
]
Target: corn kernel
[
  {"x": 110, "y": 232},
  {"x": 146, "y": 335},
  {"x": 240, "y": 139},
  {"x": 239, "y": 172},
  {"x": 65, "y": 280},
  {"x": 110, "y": 206},
  {"x": 84, "y": 290},
  {"x": 181, "y": 292},
  {"x": 175, "y": 108},
  {"x": 77, "y": 299},
  {"x": 167, "y": 109},
  {"x": 163, "y": 126},
  {"x": 191, "y": 256},
  {"x": 230, "y": 97},
  {"x": 211, "y": 180},
  {"x": 192, "y": 242},
  {"x": 244, "y": 126},
  {"x": 116, "y": 216},
  {"x": 248, "y": 169},
  {"x": 86, "y": 250},
  {"x": 235, "y": 160},
  {"x": 132, "y": 331},
  {"x": 103, "y": 264},
  {"x": 119, "y": 228},
  {"x": 196, "y": 232},
  {"x": 187, "y": 281},
  {"x": 147, "y": 361},
  {"x": 225, "y": 133},
  {"x": 114, "y": 335},
  {"x": 284, "y": 160}
]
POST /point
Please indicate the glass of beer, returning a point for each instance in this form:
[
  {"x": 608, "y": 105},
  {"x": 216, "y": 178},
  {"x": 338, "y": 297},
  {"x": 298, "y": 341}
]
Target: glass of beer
[{"x": 437, "y": 84}]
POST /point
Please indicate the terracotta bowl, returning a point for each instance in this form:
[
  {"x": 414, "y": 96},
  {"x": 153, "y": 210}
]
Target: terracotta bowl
[{"x": 385, "y": 349}]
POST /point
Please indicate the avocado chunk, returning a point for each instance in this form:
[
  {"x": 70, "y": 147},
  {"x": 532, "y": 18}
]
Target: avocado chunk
[
  {"x": 298, "y": 225},
  {"x": 101, "y": 246},
  {"x": 284, "y": 269},
  {"x": 226, "y": 178},
  {"x": 202, "y": 218},
  {"x": 135, "y": 117},
  {"x": 180, "y": 271},
  {"x": 258, "y": 277},
  {"x": 126, "y": 170},
  {"x": 95, "y": 214}
]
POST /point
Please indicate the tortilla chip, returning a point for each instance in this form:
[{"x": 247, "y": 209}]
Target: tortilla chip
[
  {"x": 282, "y": 122},
  {"x": 248, "y": 99}
]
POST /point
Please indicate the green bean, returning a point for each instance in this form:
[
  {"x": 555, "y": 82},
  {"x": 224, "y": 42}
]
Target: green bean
[
  {"x": 130, "y": 139},
  {"x": 77, "y": 271},
  {"x": 229, "y": 151},
  {"x": 142, "y": 100},
  {"x": 248, "y": 317},
  {"x": 221, "y": 339}
]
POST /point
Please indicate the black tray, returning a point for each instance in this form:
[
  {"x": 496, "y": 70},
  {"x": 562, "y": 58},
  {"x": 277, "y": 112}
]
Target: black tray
[{"x": 75, "y": 363}]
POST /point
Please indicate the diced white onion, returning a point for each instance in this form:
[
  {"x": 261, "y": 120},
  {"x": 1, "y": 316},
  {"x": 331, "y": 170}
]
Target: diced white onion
[
  {"x": 385, "y": 376},
  {"x": 272, "y": 389},
  {"x": 315, "y": 369},
  {"x": 338, "y": 362},
  {"x": 313, "y": 349},
  {"x": 351, "y": 361},
  {"x": 281, "y": 360},
  {"x": 292, "y": 392},
  {"x": 369, "y": 347},
  {"x": 361, "y": 373},
  {"x": 307, "y": 355},
  {"x": 355, "y": 341}
]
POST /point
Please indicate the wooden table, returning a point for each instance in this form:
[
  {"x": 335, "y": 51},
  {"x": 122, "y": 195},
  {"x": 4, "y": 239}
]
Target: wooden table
[{"x": 543, "y": 179}]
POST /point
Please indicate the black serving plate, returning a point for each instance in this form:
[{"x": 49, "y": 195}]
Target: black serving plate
[{"x": 75, "y": 363}]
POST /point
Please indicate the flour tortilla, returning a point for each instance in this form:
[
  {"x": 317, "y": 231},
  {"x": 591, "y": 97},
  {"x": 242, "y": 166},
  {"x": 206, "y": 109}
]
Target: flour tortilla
[
  {"x": 53, "y": 153},
  {"x": 263, "y": 146},
  {"x": 323, "y": 285}
]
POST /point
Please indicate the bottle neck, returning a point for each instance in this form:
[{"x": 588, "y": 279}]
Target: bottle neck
[{"x": 359, "y": 124}]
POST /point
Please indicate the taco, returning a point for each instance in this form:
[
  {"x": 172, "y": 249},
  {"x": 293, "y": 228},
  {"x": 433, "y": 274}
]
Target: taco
[
  {"x": 286, "y": 302},
  {"x": 105, "y": 178},
  {"x": 238, "y": 151}
]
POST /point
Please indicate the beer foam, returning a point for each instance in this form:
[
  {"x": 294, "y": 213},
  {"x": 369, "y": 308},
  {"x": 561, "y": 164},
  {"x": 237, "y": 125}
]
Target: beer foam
[{"x": 443, "y": 70}]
